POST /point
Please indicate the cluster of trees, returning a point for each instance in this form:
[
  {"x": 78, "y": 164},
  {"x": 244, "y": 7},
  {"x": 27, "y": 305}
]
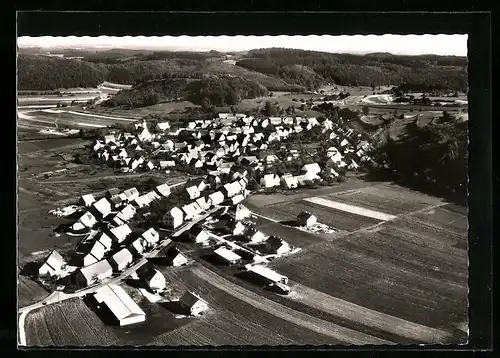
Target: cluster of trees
[
  {"x": 438, "y": 156},
  {"x": 223, "y": 90},
  {"x": 311, "y": 69},
  {"x": 208, "y": 92}
]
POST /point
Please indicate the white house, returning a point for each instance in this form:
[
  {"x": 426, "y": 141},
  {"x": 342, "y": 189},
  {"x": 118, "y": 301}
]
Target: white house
[
  {"x": 120, "y": 233},
  {"x": 176, "y": 258},
  {"x": 163, "y": 190},
  {"x": 174, "y": 218},
  {"x": 122, "y": 259},
  {"x": 162, "y": 126},
  {"x": 270, "y": 180},
  {"x": 153, "y": 278},
  {"x": 277, "y": 246},
  {"x": 193, "y": 192},
  {"x": 197, "y": 234},
  {"x": 151, "y": 236},
  {"x": 226, "y": 255},
  {"x": 311, "y": 170},
  {"x": 193, "y": 304},
  {"x": 87, "y": 200},
  {"x": 216, "y": 198},
  {"x": 52, "y": 265},
  {"x": 241, "y": 212},
  {"x": 306, "y": 219},
  {"x": 86, "y": 221},
  {"x": 94, "y": 273},
  {"x": 289, "y": 182}
]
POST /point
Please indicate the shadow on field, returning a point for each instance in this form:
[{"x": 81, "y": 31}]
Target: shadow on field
[
  {"x": 30, "y": 269},
  {"x": 135, "y": 283},
  {"x": 213, "y": 259},
  {"x": 291, "y": 223},
  {"x": 175, "y": 307},
  {"x": 251, "y": 278}
]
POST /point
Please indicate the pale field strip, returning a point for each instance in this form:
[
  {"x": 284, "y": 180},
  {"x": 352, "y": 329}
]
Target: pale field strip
[
  {"x": 90, "y": 125},
  {"x": 100, "y": 116},
  {"x": 351, "y": 209},
  {"x": 301, "y": 319},
  {"x": 368, "y": 317}
]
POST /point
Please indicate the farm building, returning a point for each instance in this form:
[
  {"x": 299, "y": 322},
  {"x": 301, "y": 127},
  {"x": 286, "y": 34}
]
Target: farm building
[
  {"x": 120, "y": 233},
  {"x": 52, "y": 265},
  {"x": 227, "y": 256},
  {"x": 105, "y": 241},
  {"x": 289, "y": 182},
  {"x": 193, "y": 192},
  {"x": 167, "y": 164},
  {"x": 163, "y": 190},
  {"x": 191, "y": 210},
  {"x": 234, "y": 227},
  {"x": 241, "y": 212},
  {"x": 311, "y": 169},
  {"x": 120, "y": 304},
  {"x": 175, "y": 258},
  {"x": 266, "y": 274},
  {"x": 101, "y": 208},
  {"x": 216, "y": 198},
  {"x": 270, "y": 181},
  {"x": 197, "y": 234},
  {"x": 203, "y": 202},
  {"x": 151, "y": 236},
  {"x": 277, "y": 246},
  {"x": 131, "y": 194},
  {"x": 91, "y": 274},
  {"x": 174, "y": 218},
  {"x": 162, "y": 126},
  {"x": 86, "y": 200},
  {"x": 306, "y": 219},
  {"x": 153, "y": 278},
  {"x": 126, "y": 213},
  {"x": 193, "y": 304},
  {"x": 86, "y": 221},
  {"x": 254, "y": 235},
  {"x": 112, "y": 193},
  {"x": 138, "y": 246},
  {"x": 237, "y": 199},
  {"x": 122, "y": 259}
]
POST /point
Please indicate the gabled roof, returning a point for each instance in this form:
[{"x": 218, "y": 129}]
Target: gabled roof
[
  {"x": 189, "y": 299},
  {"x": 54, "y": 260}
]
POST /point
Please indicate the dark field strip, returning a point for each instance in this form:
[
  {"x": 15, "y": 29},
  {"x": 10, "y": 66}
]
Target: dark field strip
[
  {"x": 396, "y": 192},
  {"x": 334, "y": 218},
  {"x": 46, "y": 144},
  {"x": 443, "y": 218},
  {"x": 29, "y": 291}
]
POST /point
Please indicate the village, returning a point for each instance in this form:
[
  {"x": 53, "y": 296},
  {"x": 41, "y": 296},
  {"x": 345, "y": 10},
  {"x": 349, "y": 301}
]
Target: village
[{"x": 228, "y": 159}]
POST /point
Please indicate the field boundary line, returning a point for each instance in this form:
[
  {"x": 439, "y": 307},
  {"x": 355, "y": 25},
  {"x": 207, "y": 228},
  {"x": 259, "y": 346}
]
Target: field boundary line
[
  {"x": 288, "y": 314},
  {"x": 21, "y": 330}
]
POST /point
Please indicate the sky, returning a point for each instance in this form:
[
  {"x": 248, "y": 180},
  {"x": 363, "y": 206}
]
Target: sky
[{"x": 356, "y": 44}]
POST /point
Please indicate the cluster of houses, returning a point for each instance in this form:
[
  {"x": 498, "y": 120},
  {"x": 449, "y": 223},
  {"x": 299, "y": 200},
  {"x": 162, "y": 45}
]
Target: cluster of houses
[
  {"x": 226, "y": 149},
  {"x": 231, "y": 144}
]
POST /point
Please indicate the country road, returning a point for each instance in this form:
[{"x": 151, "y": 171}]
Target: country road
[{"x": 118, "y": 176}]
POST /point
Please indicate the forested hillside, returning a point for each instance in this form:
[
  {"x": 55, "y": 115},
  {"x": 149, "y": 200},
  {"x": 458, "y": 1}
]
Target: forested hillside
[
  {"x": 439, "y": 156},
  {"x": 276, "y": 69},
  {"x": 207, "y": 92},
  {"x": 311, "y": 69}
]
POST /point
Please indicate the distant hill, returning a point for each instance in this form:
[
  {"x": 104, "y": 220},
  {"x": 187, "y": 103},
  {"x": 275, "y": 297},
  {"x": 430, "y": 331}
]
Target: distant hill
[
  {"x": 376, "y": 69},
  {"x": 277, "y": 69}
]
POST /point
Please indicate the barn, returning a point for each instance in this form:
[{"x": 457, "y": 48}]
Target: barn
[
  {"x": 193, "y": 304},
  {"x": 115, "y": 300}
]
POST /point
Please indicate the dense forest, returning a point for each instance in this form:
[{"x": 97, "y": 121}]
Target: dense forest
[
  {"x": 312, "y": 69},
  {"x": 275, "y": 69},
  {"x": 438, "y": 159},
  {"x": 207, "y": 92}
]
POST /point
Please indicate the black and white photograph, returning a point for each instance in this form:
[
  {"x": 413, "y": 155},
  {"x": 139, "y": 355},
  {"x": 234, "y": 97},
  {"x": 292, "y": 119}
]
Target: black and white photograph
[{"x": 277, "y": 190}]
